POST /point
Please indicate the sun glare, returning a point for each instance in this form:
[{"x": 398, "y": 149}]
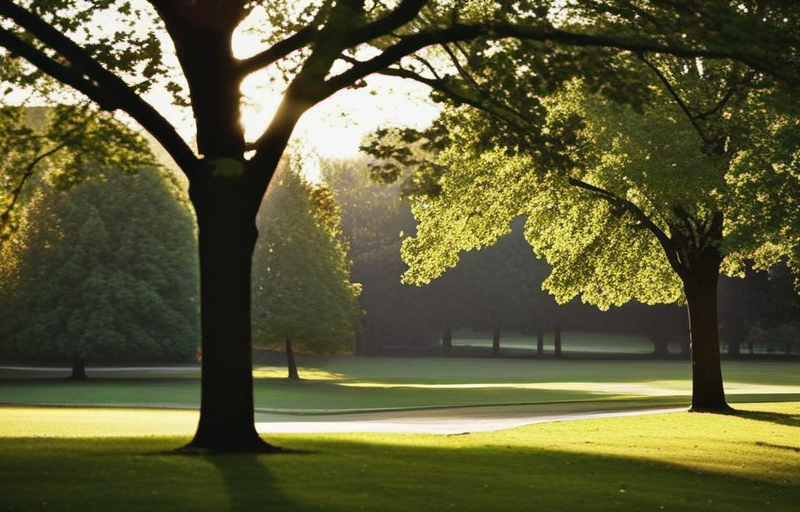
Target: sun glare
[{"x": 335, "y": 127}]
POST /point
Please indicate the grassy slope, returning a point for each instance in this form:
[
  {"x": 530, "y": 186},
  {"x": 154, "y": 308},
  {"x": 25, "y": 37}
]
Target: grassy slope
[{"x": 667, "y": 462}]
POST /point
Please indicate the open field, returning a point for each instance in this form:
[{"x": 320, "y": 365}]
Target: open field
[
  {"x": 351, "y": 383},
  {"x": 673, "y": 462}
]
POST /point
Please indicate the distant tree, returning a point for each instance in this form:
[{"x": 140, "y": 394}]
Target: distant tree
[
  {"x": 101, "y": 273},
  {"x": 497, "y": 289},
  {"x": 373, "y": 218},
  {"x": 751, "y": 307},
  {"x": 302, "y": 294}
]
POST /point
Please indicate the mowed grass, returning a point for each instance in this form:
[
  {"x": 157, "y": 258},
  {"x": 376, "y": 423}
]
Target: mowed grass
[
  {"x": 354, "y": 383},
  {"x": 672, "y": 462}
]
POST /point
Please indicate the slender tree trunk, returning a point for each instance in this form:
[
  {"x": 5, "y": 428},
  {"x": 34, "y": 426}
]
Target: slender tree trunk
[
  {"x": 226, "y": 237},
  {"x": 447, "y": 340},
  {"x": 700, "y": 287},
  {"x": 660, "y": 346},
  {"x": 496, "y": 341},
  {"x": 78, "y": 369},
  {"x": 540, "y": 343},
  {"x": 557, "y": 340},
  {"x": 291, "y": 362}
]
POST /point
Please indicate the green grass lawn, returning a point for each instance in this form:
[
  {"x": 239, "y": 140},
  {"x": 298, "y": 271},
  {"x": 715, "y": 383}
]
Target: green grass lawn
[
  {"x": 672, "y": 462},
  {"x": 347, "y": 383}
]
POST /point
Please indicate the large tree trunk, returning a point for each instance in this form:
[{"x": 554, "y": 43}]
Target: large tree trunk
[
  {"x": 291, "y": 362},
  {"x": 226, "y": 237},
  {"x": 700, "y": 286}
]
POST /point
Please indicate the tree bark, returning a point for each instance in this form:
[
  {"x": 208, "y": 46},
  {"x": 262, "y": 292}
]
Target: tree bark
[
  {"x": 700, "y": 287},
  {"x": 226, "y": 238},
  {"x": 291, "y": 362},
  {"x": 78, "y": 369}
]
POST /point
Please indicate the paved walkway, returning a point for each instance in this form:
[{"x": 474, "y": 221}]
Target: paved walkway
[{"x": 460, "y": 420}]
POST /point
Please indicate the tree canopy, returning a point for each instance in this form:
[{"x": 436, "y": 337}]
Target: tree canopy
[{"x": 642, "y": 200}]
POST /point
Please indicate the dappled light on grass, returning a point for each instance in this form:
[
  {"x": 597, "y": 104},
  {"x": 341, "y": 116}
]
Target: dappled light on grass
[{"x": 271, "y": 372}]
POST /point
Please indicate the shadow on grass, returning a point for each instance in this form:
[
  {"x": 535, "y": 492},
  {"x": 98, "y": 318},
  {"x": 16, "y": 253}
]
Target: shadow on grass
[
  {"x": 249, "y": 483},
  {"x": 343, "y": 474},
  {"x": 789, "y": 420}
]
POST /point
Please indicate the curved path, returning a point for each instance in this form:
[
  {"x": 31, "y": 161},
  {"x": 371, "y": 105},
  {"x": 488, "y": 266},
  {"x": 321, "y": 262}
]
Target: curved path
[{"x": 461, "y": 420}]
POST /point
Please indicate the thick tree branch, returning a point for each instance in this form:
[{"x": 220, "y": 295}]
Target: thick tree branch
[
  {"x": 664, "y": 240},
  {"x": 690, "y": 227},
  {"x": 285, "y": 47},
  {"x": 89, "y": 77},
  {"x": 60, "y": 72},
  {"x": 462, "y": 32},
  {"x": 278, "y": 51},
  {"x": 391, "y": 55}
]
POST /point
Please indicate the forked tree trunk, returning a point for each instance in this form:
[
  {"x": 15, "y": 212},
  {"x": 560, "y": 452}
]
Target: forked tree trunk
[
  {"x": 291, "y": 362},
  {"x": 700, "y": 287},
  {"x": 78, "y": 369},
  {"x": 226, "y": 237}
]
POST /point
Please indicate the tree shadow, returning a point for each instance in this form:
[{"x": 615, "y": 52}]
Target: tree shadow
[
  {"x": 789, "y": 420},
  {"x": 250, "y": 485}
]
